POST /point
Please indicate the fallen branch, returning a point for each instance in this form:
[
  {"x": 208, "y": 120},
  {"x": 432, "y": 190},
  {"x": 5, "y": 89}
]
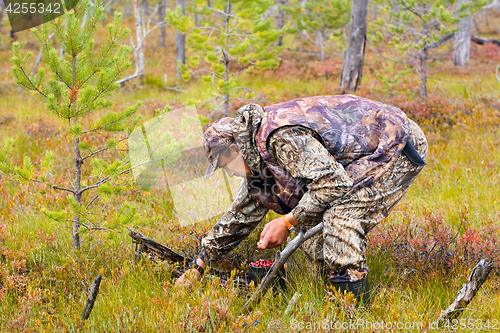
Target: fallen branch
[
  {"x": 482, "y": 40},
  {"x": 279, "y": 263},
  {"x": 159, "y": 251},
  {"x": 468, "y": 291},
  {"x": 147, "y": 245},
  {"x": 94, "y": 290},
  {"x": 122, "y": 81}
]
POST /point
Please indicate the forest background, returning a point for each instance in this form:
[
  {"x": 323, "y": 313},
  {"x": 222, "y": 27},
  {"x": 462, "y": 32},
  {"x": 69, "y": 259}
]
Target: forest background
[{"x": 418, "y": 257}]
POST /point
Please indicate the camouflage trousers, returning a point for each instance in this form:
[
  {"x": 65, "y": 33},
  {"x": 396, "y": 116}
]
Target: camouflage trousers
[{"x": 350, "y": 218}]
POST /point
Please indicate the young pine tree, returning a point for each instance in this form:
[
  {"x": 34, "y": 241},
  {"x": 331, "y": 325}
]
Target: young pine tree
[
  {"x": 419, "y": 28},
  {"x": 77, "y": 86},
  {"x": 233, "y": 37}
]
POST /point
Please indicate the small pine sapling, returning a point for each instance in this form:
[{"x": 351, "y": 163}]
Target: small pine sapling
[
  {"x": 77, "y": 86},
  {"x": 233, "y": 38}
]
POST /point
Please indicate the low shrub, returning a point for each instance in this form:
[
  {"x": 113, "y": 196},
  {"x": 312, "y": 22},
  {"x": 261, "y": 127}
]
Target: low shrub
[{"x": 430, "y": 246}]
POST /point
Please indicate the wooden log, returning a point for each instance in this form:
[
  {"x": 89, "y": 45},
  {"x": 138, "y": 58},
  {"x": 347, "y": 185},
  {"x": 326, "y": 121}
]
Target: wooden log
[
  {"x": 279, "y": 263},
  {"x": 94, "y": 290},
  {"x": 468, "y": 291},
  {"x": 481, "y": 40}
]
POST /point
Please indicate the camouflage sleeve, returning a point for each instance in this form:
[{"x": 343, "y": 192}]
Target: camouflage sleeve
[
  {"x": 234, "y": 226},
  {"x": 297, "y": 150}
]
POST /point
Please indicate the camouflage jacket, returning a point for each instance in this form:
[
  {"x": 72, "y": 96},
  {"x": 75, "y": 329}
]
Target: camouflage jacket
[{"x": 305, "y": 154}]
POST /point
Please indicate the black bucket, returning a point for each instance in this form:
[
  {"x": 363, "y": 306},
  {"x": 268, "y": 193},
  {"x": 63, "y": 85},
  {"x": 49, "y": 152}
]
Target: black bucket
[
  {"x": 257, "y": 274},
  {"x": 360, "y": 289}
]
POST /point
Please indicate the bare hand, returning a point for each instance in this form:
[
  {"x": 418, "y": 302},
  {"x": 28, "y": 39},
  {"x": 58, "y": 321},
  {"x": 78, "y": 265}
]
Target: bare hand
[
  {"x": 274, "y": 234},
  {"x": 186, "y": 279}
]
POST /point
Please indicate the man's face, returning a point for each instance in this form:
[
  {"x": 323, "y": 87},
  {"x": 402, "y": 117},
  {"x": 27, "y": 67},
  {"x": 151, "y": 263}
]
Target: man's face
[{"x": 234, "y": 165}]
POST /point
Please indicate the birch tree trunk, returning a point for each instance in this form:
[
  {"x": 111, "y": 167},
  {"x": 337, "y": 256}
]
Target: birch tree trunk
[
  {"x": 180, "y": 43},
  {"x": 139, "y": 50},
  {"x": 352, "y": 68},
  {"x": 461, "y": 50},
  {"x": 320, "y": 39}
]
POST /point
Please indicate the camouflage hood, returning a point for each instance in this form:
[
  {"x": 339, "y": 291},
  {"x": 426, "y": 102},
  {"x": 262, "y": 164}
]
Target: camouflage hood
[{"x": 247, "y": 123}]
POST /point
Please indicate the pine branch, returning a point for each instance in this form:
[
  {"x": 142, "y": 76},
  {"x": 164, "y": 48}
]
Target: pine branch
[
  {"x": 91, "y": 201},
  {"x": 108, "y": 178},
  {"x": 209, "y": 72},
  {"x": 51, "y": 186},
  {"x": 94, "y": 153},
  {"x": 31, "y": 82},
  {"x": 411, "y": 9},
  {"x": 440, "y": 42}
]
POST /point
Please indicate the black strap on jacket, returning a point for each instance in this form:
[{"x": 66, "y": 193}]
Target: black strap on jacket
[{"x": 412, "y": 154}]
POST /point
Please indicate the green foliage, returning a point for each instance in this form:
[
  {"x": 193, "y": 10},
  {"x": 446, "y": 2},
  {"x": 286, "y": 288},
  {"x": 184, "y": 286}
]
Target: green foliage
[
  {"x": 231, "y": 37},
  {"x": 55, "y": 215}
]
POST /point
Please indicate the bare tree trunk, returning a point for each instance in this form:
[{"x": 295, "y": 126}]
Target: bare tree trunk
[
  {"x": 180, "y": 43},
  {"x": 139, "y": 51},
  {"x": 163, "y": 7},
  {"x": 281, "y": 20},
  {"x": 352, "y": 69},
  {"x": 77, "y": 195},
  {"x": 486, "y": 22},
  {"x": 145, "y": 8},
  {"x": 423, "y": 73},
  {"x": 225, "y": 110},
  {"x": 303, "y": 7},
  {"x": 320, "y": 40},
  {"x": 424, "y": 55},
  {"x": 461, "y": 50},
  {"x": 2, "y": 9},
  {"x": 375, "y": 11}
]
